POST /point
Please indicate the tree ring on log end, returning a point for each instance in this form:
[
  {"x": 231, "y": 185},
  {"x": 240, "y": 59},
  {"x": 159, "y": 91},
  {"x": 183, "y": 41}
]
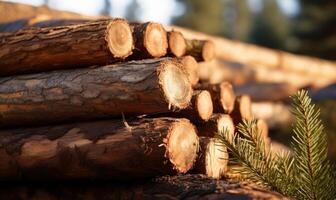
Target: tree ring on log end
[
  {"x": 245, "y": 107},
  {"x": 155, "y": 40},
  {"x": 182, "y": 145},
  {"x": 208, "y": 51},
  {"x": 119, "y": 38},
  {"x": 216, "y": 159},
  {"x": 177, "y": 43},
  {"x": 204, "y": 105},
  {"x": 175, "y": 84},
  {"x": 225, "y": 123},
  {"x": 227, "y": 97}
]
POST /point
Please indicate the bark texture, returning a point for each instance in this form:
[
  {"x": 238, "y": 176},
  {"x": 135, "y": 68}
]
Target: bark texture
[
  {"x": 42, "y": 49},
  {"x": 133, "y": 88},
  {"x": 190, "y": 186},
  {"x": 98, "y": 150}
]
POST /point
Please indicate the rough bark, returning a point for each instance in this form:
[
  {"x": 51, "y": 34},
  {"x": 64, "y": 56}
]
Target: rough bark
[
  {"x": 42, "y": 49},
  {"x": 189, "y": 186},
  {"x": 201, "y": 50},
  {"x": 176, "y": 43},
  {"x": 216, "y": 124},
  {"x": 133, "y": 88},
  {"x": 99, "y": 150},
  {"x": 212, "y": 159},
  {"x": 150, "y": 40}
]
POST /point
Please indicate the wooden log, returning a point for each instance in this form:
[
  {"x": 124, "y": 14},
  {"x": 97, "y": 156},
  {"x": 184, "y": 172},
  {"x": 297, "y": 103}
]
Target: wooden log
[
  {"x": 17, "y": 11},
  {"x": 263, "y": 130},
  {"x": 191, "y": 66},
  {"x": 36, "y": 50},
  {"x": 201, "y": 50},
  {"x": 200, "y": 109},
  {"x": 223, "y": 96},
  {"x": 212, "y": 159},
  {"x": 99, "y": 150},
  {"x": 216, "y": 124},
  {"x": 176, "y": 43},
  {"x": 133, "y": 88},
  {"x": 242, "y": 109},
  {"x": 266, "y": 91},
  {"x": 150, "y": 40}
]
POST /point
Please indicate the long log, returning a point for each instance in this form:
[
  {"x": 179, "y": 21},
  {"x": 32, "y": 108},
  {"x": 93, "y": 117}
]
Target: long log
[
  {"x": 99, "y": 150},
  {"x": 150, "y": 40},
  {"x": 176, "y": 43},
  {"x": 36, "y": 50},
  {"x": 267, "y": 58},
  {"x": 212, "y": 158},
  {"x": 133, "y": 88}
]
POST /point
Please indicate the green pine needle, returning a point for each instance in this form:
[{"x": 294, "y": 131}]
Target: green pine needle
[{"x": 305, "y": 175}]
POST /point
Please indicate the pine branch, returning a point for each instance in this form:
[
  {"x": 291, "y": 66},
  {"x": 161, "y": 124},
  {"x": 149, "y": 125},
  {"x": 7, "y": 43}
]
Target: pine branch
[{"x": 312, "y": 169}]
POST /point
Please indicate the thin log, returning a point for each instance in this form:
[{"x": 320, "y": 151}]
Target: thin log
[
  {"x": 191, "y": 66},
  {"x": 176, "y": 43},
  {"x": 242, "y": 109},
  {"x": 266, "y": 91},
  {"x": 99, "y": 150},
  {"x": 263, "y": 130},
  {"x": 212, "y": 158},
  {"x": 150, "y": 40},
  {"x": 200, "y": 109},
  {"x": 222, "y": 95},
  {"x": 216, "y": 124},
  {"x": 201, "y": 50},
  {"x": 133, "y": 88},
  {"x": 36, "y": 50}
]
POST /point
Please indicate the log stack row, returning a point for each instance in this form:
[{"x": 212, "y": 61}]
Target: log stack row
[{"x": 109, "y": 99}]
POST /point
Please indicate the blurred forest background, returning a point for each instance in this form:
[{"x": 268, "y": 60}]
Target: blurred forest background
[{"x": 298, "y": 26}]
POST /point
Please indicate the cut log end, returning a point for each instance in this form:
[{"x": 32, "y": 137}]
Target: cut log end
[
  {"x": 182, "y": 145},
  {"x": 225, "y": 123},
  {"x": 175, "y": 84},
  {"x": 245, "y": 107},
  {"x": 227, "y": 97},
  {"x": 177, "y": 44},
  {"x": 155, "y": 40},
  {"x": 216, "y": 159},
  {"x": 191, "y": 66},
  {"x": 263, "y": 129},
  {"x": 208, "y": 51},
  {"x": 119, "y": 38},
  {"x": 204, "y": 105}
]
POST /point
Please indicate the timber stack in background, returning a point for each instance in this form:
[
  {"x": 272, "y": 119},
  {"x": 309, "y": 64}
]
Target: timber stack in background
[{"x": 87, "y": 98}]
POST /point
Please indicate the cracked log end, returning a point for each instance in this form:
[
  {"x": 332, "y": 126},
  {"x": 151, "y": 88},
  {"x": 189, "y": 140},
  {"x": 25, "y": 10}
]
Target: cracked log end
[
  {"x": 191, "y": 66},
  {"x": 175, "y": 84},
  {"x": 208, "y": 51},
  {"x": 177, "y": 43},
  {"x": 119, "y": 38},
  {"x": 155, "y": 40},
  {"x": 227, "y": 97},
  {"x": 182, "y": 145},
  {"x": 203, "y": 105}
]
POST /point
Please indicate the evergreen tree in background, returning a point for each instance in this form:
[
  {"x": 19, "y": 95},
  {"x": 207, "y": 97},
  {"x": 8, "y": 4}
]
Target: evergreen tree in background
[
  {"x": 106, "y": 8},
  {"x": 133, "y": 11},
  {"x": 270, "y": 27},
  {"x": 204, "y": 16},
  {"x": 242, "y": 20},
  {"x": 316, "y": 28}
]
